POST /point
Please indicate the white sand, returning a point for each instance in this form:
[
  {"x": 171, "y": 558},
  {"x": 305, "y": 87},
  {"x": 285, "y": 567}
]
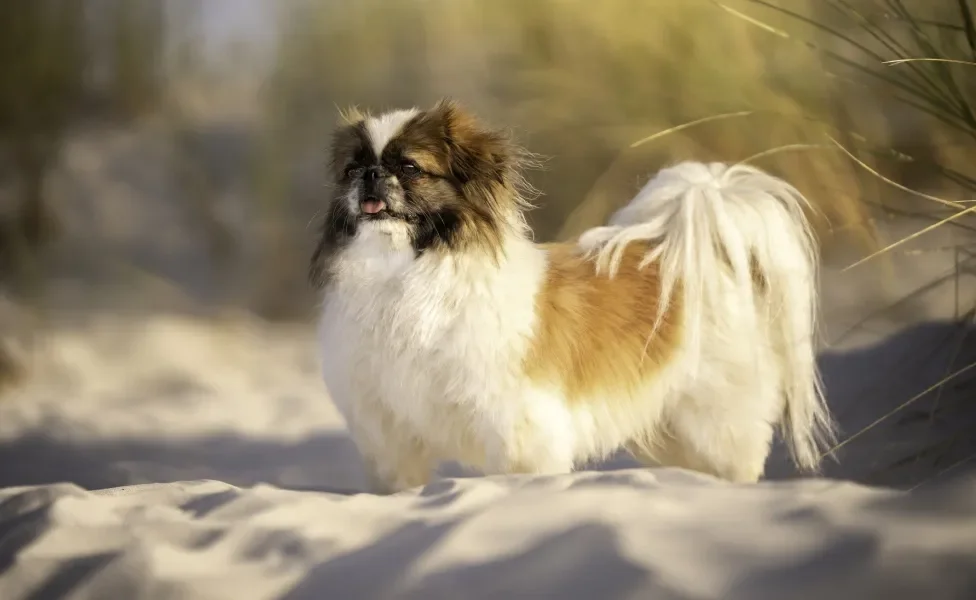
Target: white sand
[{"x": 626, "y": 534}]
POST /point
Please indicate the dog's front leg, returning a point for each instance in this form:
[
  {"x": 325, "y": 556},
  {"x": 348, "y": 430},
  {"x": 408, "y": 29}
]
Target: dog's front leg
[
  {"x": 394, "y": 460},
  {"x": 397, "y": 467}
]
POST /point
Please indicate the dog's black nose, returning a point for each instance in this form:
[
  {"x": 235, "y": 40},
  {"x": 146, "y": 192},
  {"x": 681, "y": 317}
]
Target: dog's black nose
[
  {"x": 373, "y": 202},
  {"x": 373, "y": 183}
]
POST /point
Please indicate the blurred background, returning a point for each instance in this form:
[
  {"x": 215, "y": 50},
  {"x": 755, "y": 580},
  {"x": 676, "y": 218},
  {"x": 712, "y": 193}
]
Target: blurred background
[{"x": 162, "y": 171}]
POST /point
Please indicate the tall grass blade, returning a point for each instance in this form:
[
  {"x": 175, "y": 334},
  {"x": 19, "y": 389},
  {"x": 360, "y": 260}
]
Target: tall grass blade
[
  {"x": 968, "y": 25},
  {"x": 901, "y": 61},
  {"x": 931, "y": 49},
  {"x": 944, "y": 471},
  {"x": 690, "y": 124},
  {"x": 950, "y": 203},
  {"x": 908, "y": 238},
  {"x": 891, "y": 43},
  {"x": 899, "y": 408},
  {"x": 932, "y": 105},
  {"x": 785, "y": 148}
]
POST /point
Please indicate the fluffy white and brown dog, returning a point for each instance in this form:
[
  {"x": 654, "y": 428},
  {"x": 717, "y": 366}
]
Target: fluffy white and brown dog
[{"x": 683, "y": 331}]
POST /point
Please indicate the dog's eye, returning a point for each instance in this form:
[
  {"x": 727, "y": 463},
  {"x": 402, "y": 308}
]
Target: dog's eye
[
  {"x": 353, "y": 171},
  {"x": 409, "y": 168}
]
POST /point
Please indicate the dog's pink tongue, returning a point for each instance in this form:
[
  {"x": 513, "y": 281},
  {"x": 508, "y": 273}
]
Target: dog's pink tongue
[{"x": 371, "y": 207}]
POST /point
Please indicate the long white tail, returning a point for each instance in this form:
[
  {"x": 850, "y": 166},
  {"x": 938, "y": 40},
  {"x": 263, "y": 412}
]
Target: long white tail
[{"x": 737, "y": 243}]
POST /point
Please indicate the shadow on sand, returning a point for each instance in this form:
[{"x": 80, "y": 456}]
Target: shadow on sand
[
  {"x": 862, "y": 385},
  {"x": 325, "y": 462}
]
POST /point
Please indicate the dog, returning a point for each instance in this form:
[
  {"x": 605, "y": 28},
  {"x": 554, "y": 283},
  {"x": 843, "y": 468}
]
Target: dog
[{"x": 682, "y": 331}]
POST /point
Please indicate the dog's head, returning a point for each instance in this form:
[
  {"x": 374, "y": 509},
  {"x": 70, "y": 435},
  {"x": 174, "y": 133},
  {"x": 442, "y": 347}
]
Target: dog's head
[{"x": 439, "y": 178}]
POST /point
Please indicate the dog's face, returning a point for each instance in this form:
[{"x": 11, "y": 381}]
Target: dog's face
[{"x": 438, "y": 178}]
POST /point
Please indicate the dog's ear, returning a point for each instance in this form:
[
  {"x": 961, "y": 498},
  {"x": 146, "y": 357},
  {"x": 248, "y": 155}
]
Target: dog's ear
[{"x": 475, "y": 153}]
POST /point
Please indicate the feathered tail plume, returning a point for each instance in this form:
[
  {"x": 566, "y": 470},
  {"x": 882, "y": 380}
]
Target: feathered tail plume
[{"x": 736, "y": 242}]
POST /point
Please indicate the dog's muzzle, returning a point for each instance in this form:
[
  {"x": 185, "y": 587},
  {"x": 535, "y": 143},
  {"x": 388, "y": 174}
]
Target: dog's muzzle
[{"x": 374, "y": 192}]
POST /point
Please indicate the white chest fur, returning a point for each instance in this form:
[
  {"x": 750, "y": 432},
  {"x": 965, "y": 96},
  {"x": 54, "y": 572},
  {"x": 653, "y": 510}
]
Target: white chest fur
[{"x": 428, "y": 347}]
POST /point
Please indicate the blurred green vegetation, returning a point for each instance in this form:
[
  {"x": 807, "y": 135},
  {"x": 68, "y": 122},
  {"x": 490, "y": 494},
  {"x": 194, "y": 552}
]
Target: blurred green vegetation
[
  {"x": 43, "y": 53},
  {"x": 64, "y": 62},
  {"x": 798, "y": 87},
  {"x": 578, "y": 82}
]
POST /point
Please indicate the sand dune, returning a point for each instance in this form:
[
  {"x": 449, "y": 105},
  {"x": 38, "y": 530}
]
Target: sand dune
[{"x": 627, "y": 534}]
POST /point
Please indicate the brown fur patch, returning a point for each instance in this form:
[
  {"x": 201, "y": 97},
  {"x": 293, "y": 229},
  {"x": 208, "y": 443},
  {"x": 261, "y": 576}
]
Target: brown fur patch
[
  {"x": 593, "y": 331},
  {"x": 426, "y": 160}
]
